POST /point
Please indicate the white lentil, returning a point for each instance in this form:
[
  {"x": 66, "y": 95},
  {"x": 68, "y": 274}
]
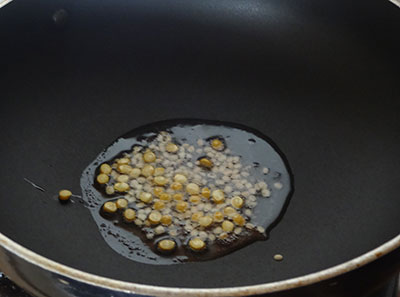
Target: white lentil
[
  {"x": 188, "y": 228},
  {"x": 194, "y": 232},
  {"x": 237, "y": 230},
  {"x": 110, "y": 190},
  {"x": 130, "y": 199},
  {"x": 212, "y": 175},
  {"x": 217, "y": 230},
  {"x": 262, "y": 185},
  {"x": 159, "y": 230},
  {"x": 141, "y": 180},
  {"x": 260, "y": 229},
  {"x": 266, "y": 193},
  {"x": 235, "y": 159},
  {"x": 245, "y": 194},
  {"x": 228, "y": 189},
  {"x": 251, "y": 204},
  {"x": 140, "y": 205},
  {"x": 203, "y": 235},
  {"x": 173, "y": 232},
  {"x": 226, "y": 178},
  {"x": 249, "y": 226}
]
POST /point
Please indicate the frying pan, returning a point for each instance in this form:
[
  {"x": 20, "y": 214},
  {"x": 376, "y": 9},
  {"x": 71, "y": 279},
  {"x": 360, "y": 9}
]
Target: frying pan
[{"x": 321, "y": 78}]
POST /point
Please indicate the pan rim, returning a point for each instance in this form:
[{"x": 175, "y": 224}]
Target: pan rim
[
  {"x": 395, "y": 2},
  {"x": 135, "y": 288}
]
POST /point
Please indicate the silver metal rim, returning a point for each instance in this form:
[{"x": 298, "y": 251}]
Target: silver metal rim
[
  {"x": 4, "y": 2},
  {"x": 112, "y": 284},
  {"x": 395, "y": 2}
]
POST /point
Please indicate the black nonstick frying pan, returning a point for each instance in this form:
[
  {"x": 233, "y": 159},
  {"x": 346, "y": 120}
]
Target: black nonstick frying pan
[{"x": 321, "y": 78}]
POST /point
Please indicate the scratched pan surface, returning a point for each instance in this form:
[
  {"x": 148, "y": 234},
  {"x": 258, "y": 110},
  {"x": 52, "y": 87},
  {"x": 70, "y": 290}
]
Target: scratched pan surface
[{"x": 321, "y": 78}]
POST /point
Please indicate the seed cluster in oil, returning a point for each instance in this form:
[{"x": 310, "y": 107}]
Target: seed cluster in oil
[{"x": 167, "y": 196}]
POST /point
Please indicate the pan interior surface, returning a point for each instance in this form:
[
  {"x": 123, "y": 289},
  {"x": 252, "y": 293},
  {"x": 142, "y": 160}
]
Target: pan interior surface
[{"x": 318, "y": 77}]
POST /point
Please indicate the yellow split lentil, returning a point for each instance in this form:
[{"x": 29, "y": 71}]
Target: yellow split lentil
[
  {"x": 171, "y": 148},
  {"x": 205, "y": 192},
  {"x": 149, "y": 157},
  {"x": 192, "y": 189},
  {"x": 147, "y": 170},
  {"x": 64, "y": 195},
  {"x": 217, "y": 144},
  {"x": 218, "y": 196},
  {"x": 207, "y": 163},
  {"x": 105, "y": 168},
  {"x": 102, "y": 178},
  {"x": 121, "y": 187},
  {"x": 227, "y": 226},
  {"x": 124, "y": 168},
  {"x": 110, "y": 207},
  {"x": 145, "y": 197},
  {"x": 180, "y": 178},
  {"x": 237, "y": 202},
  {"x": 197, "y": 244},
  {"x": 129, "y": 215},
  {"x": 155, "y": 217},
  {"x": 166, "y": 245},
  {"x": 166, "y": 220},
  {"x": 121, "y": 203},
  {"x": 181, "y": 206}
]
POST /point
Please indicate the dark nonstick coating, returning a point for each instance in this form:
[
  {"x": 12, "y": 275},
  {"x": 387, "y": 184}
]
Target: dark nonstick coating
[{"x": 321, "y": 78}]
